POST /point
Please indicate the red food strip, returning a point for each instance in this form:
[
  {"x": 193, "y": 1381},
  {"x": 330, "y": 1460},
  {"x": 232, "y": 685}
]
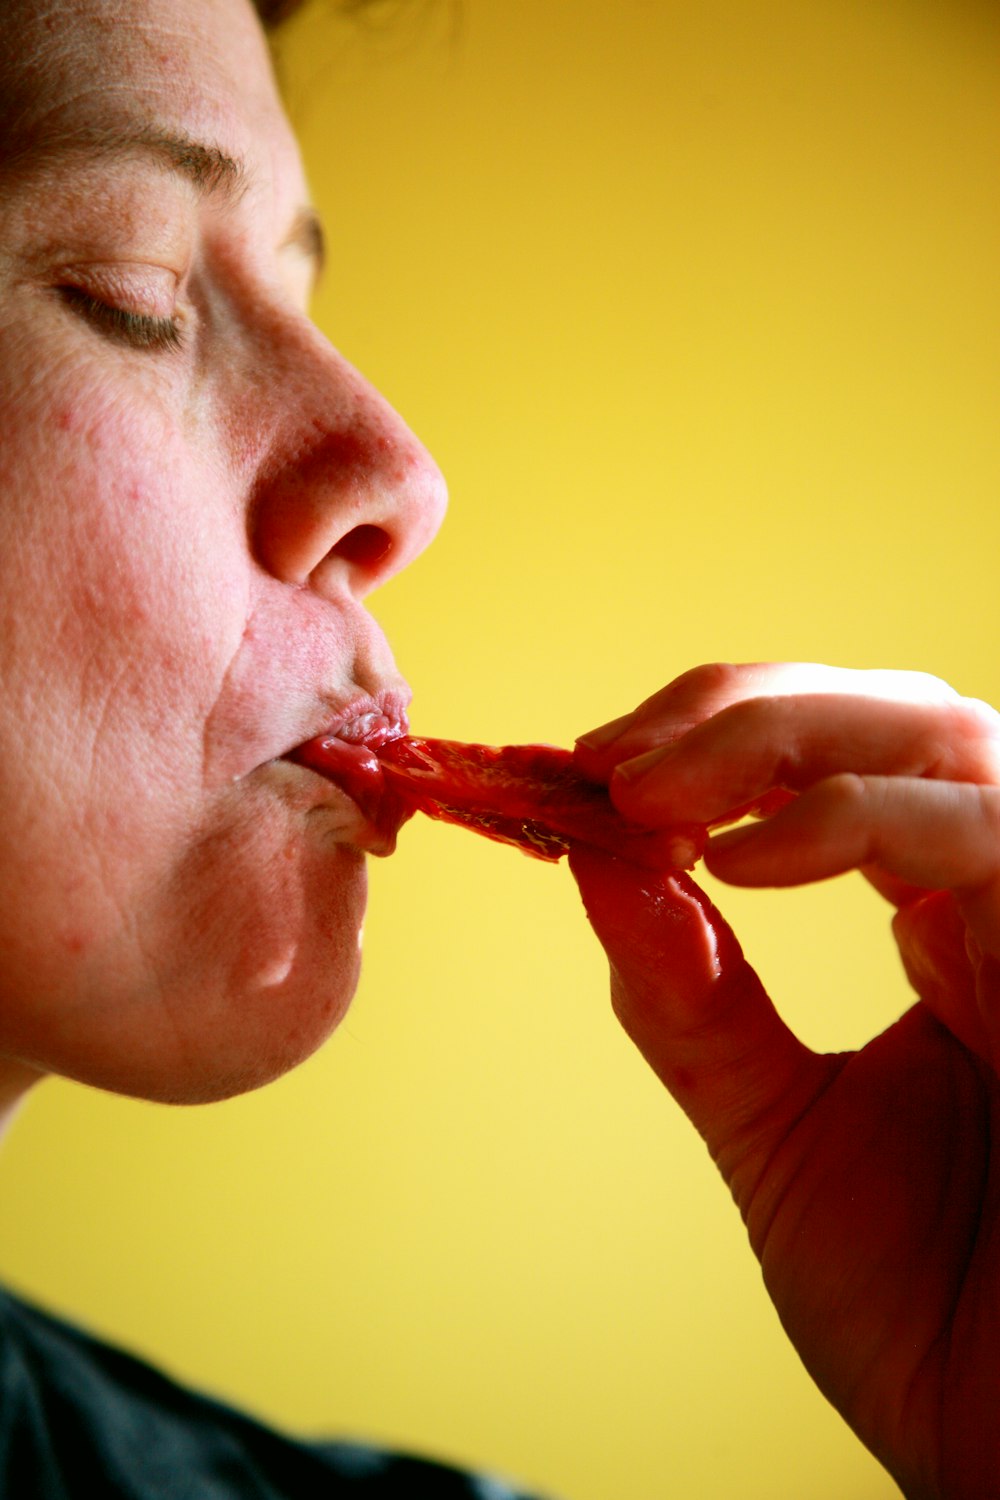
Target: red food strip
[
  {"x": 526, "y": 795},
  {"x": 530, "y": 796}
]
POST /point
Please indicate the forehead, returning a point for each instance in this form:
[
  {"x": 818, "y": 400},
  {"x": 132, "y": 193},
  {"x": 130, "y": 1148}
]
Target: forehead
[{"x": 74, "y": 70}]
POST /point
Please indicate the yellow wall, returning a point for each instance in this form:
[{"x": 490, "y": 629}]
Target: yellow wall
[{"x": 697, "y": 306}]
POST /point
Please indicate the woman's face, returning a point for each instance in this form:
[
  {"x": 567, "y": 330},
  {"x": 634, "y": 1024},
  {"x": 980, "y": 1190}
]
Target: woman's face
[{"x": 196, "y": 492}]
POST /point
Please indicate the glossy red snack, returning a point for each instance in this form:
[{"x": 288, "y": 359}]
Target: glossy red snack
[
  {"x": 530, "y": 796},
  {"x": 526, "y": 795}
]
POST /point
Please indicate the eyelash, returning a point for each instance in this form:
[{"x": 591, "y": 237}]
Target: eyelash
[{"x": 138, "y": 330}]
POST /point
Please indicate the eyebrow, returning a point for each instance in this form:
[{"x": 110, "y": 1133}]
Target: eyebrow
[
  {"x": 210, "y": 170},
  {"x": 207, "y": 167}
]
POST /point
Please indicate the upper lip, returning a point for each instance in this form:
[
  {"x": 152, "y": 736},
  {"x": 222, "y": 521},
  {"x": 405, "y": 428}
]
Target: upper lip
[
  {"x": 365, "y": 723},
  {"x": 365, "y": 718}
]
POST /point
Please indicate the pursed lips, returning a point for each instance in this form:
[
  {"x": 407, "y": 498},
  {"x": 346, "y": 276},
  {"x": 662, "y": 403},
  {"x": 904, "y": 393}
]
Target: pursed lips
[{"x": 344, "y": 754}]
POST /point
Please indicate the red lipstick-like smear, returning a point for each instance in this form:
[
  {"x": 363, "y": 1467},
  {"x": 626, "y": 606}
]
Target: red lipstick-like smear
[{"x": 526, "y": 795}]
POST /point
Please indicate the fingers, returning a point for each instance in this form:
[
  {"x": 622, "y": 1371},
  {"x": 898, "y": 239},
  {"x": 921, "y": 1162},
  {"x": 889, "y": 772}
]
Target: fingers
[
  {"x": 697, "y": 1011},
  {"x": 706, "y": 691},
  {"x": 890, "y": 772},
  {"x": 932, "y": 938},
  {"x": 919, "y": 835},
  {"x": 932, "y": 834},
  {"x": 753, "y": 746}
]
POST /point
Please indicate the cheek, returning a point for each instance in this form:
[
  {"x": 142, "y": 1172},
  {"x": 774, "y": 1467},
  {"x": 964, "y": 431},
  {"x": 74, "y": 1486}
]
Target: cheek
[
  {"x": 125, "y": 571},
  {"x": 226, "y": 994},
  {"x": 122, "y": 589},
  {"x": 168, "y": 932},
  {"x": 248, "y": 988}
]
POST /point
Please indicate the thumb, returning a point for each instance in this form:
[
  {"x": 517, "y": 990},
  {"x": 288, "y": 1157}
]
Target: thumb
[{"x": 697, "y": 1011}]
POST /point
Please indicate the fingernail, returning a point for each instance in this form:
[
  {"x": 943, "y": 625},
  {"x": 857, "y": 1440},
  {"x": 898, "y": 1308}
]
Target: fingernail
[
  {"x": 601, "y": 738},
  {"x": 640, "y": 765}
]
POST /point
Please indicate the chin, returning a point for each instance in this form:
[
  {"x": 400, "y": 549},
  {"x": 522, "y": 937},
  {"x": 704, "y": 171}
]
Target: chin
[
  {"x": 228, "y": 1076},
  {"x": 230, "y": 1012},
  {"x": 271, "y": 987},
  {"x": 228, "y": 974},
  {"x": 247, "y": 1042}
]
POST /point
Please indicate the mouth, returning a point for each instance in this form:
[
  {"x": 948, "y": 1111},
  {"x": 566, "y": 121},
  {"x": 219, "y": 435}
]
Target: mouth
[
  {"x": 369, "y": 724},
  {"x": 346, "y": 754}
]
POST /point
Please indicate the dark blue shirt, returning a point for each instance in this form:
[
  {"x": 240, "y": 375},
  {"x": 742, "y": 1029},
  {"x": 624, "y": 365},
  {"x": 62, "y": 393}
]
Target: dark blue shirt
[{"x": 80, "y": 1419}]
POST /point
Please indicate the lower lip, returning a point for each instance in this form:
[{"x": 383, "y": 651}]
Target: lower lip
[{"x": 355, "y": 769}]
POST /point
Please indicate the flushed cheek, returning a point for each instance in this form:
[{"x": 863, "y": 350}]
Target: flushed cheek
[
  {"x": 121, "y": 530},
  {"x": 151, "y": 591},
  {"x": 234, "y": 960},
  {"x": 187, "y": 942},
  {"x": 122, "y": 590},
  {"x": 256, "y": 942}
]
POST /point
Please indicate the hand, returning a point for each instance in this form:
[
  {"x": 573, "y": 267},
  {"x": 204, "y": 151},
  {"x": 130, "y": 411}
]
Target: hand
[{"x": 869, "y": 1181}]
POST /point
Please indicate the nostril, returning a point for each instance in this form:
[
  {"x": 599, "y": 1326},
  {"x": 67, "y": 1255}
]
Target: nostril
[{"x": 365, "y": 545}]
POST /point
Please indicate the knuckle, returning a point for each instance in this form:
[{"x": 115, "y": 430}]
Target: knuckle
[
  {"x": 695, "y": 694},
  {"x": 981, "y": 719},
  {"x": 710, "y": 680},
  {"x": 766, "y": 725},
  {"x": 759, "y": 718},
  {"x": 719, "y": 676},
  {"x": 976, "y": 728},
  {"x": 845, "y": 794}
]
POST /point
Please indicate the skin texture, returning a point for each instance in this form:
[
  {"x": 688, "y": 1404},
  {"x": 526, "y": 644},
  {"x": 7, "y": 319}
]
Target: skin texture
[
  {"x": 869, "y": 1181},
  {"x": 198, "y": 492}
]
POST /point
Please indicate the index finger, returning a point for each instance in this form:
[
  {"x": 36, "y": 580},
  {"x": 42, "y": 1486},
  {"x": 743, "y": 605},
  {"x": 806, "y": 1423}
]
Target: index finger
[
  {"x": 707, "y": 690},
  {"x": 795, "y": 742}
]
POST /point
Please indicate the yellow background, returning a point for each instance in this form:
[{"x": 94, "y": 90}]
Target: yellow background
[{"x": 697, "y": 306}]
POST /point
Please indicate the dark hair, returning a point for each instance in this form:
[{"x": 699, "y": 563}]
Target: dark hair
[{"x": 273, "y": 12}]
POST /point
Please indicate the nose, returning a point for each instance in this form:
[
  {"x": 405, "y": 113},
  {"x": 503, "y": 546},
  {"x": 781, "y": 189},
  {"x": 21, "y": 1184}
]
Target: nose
[{"x": 344, "y": 495}]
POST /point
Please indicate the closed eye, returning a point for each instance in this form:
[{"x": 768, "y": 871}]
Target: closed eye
[{"x": 137, "y": 330}]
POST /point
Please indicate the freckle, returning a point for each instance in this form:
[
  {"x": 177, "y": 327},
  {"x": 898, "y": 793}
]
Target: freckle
[{"x": 683, "y": 1080}]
